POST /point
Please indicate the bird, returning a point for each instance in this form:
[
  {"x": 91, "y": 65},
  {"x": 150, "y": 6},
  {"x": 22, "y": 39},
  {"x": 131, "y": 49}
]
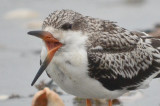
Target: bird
[
  {"x": 47, "y": 97},
  {"x": 95, "y": 58}
]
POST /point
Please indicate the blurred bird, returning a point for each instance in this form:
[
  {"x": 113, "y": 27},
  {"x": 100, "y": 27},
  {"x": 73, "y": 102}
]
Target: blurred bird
[
  {"x": 46, "y": 97},
  {"x": 156, "y": 31},
  {"x": 96, "y": 58}
]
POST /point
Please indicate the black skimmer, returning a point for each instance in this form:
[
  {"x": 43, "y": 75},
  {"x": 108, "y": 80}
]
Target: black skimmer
[{"x": 93, "y": 58}]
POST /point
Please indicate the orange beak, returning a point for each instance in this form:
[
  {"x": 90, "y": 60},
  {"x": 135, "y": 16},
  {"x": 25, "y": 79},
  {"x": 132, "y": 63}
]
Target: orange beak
[{"x": 52, "y": 45}]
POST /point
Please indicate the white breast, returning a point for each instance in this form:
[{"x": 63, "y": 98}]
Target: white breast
[{"x": 69, "y": 71}]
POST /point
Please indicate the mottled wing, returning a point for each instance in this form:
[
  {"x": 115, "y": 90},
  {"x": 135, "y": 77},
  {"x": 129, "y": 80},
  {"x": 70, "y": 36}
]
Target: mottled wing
[{"x": 120, "y": 59}]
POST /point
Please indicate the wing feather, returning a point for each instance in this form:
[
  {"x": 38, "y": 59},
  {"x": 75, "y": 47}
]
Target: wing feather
[{"x": 119, "y": 58}]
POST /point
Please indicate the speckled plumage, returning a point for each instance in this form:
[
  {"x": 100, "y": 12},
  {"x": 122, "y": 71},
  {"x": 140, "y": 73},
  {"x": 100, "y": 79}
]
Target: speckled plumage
[{"x": 119, "y": 59}]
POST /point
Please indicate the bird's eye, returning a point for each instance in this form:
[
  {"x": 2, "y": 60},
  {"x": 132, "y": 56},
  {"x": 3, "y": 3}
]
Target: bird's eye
[{"x": 66, "y": 26}]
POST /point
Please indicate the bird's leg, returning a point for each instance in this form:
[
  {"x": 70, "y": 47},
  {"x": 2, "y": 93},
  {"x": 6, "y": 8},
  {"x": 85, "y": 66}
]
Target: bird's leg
[
  {"x": 110, "y": 102},
  {"x": 88, "y": 102}
]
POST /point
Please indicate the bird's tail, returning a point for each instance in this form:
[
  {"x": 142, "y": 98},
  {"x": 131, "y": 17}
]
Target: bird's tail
[{"x": 154, "y": 41}]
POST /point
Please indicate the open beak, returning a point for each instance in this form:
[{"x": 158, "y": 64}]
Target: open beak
[{"x": 52, "y": 45}]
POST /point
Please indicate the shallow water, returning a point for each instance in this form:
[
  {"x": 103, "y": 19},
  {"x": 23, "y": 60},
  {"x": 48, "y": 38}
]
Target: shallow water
[{"x": 19, "y": 52}]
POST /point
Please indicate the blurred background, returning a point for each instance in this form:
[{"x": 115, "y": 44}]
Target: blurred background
[{"x": 20, "y": 53}]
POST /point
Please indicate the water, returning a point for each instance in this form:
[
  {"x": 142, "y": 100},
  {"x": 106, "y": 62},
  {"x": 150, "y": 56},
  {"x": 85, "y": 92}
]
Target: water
[{"x": 19, "y": 52}]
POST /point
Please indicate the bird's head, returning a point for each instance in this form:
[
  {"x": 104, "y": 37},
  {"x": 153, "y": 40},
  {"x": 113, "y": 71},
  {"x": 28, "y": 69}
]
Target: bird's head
[{"x": 61, "y": 30}]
